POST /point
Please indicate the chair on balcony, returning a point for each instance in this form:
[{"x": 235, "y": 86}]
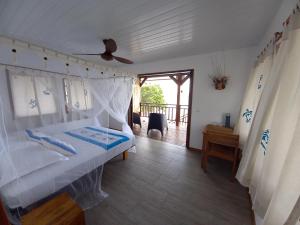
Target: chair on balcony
[
  {"x": 157, "y": 121},
  {"x": 136, "y": 119}
]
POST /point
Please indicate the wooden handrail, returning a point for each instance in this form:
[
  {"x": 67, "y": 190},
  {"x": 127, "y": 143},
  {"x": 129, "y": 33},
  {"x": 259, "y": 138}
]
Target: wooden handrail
[{"x": 168, "y": 109}]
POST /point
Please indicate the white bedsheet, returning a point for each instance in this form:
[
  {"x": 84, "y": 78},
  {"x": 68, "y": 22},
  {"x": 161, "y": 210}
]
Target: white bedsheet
[
  {"x": 26, "y": 159},
  {"x": 41, "y": 183}
]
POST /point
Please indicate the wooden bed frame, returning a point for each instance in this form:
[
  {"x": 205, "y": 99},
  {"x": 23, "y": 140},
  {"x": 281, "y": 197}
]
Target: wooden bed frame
[
  {"x": 3, "y": 216},
  {"x": 125, "y": 155}
]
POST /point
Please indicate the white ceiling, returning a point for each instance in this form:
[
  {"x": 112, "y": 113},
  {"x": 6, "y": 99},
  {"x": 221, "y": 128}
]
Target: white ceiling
[{"x": 145, "y": 30}]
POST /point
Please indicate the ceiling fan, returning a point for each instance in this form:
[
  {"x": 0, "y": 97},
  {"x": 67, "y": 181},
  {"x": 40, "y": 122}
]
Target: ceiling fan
[{"x": 110, "y": 47}]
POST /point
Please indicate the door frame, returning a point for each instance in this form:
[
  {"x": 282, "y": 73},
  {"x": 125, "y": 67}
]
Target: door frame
[{"x": 188, "y": 72}]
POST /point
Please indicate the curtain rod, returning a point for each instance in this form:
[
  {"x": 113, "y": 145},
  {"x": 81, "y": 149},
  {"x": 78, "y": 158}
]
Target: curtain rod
[{"x": 63, "y": 74}]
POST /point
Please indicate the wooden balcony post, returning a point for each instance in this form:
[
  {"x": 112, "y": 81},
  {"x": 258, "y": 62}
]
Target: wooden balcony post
[{"x": 179, "y": 80}]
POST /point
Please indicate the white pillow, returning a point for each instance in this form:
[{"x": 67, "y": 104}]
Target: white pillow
[
  {"x": 51, "y": 142},
  {"x": 35, "y": 135},
  {"x": 24, "y": 160},
  {"x": 59, "y": 146}
]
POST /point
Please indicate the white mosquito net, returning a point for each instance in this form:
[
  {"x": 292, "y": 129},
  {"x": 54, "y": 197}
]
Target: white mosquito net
[{"x": 57, "y": 132}]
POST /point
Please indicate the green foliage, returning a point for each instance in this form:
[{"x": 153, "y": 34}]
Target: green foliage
[{"x": 152, "y": 94}]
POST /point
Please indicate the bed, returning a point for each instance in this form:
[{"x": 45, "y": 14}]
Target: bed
[{"x": 43, "y": 182}]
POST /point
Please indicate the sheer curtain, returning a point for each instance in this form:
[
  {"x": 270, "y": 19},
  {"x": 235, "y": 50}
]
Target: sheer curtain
[
  {"x": 114, "y": 96},
  {"x": 136, "y": 96},
  {"x": 270, "y": 164}
]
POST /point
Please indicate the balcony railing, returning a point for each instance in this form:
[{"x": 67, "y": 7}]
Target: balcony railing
[{"x": 168, "y": 109}]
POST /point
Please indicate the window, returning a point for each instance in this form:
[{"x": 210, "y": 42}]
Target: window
[
  {"x": 77, "y": 94},
  {"x": 38, "y": 95},
  {"x": 32, "y": 96}
]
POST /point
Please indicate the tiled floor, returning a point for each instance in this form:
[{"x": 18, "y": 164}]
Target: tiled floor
[
  {"x": 163, "y": 184},
  {"x": 174, "y": 135}
]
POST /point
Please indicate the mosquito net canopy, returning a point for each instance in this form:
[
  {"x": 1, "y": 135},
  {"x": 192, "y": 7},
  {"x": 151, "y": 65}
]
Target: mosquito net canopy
[{"x": 57, "y": 132}]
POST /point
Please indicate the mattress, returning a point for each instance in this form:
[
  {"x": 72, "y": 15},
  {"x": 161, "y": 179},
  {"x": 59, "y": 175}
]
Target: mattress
[{"x": 46, "y": 181}]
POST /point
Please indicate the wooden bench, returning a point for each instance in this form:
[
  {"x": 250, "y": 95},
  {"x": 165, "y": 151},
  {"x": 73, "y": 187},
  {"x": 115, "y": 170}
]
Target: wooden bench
[{"x": 61, "y": 210}]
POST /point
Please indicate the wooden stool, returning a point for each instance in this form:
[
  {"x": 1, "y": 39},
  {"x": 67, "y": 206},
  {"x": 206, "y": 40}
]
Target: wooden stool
[{"x": 61, "y": 210}]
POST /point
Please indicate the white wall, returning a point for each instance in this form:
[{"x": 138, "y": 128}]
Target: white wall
[
  {"x": 33, "y": 58},
  {"x": 209, "y": 105}
]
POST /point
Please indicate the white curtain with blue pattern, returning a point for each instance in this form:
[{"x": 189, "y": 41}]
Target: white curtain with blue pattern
[
  {"x": 255, "y": 87},
  {"x": 271, "y": 158}
]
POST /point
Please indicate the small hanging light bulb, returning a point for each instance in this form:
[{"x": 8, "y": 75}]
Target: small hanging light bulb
[
  {"x": 45, "y": 59},
  {"x": 87, "y": 72},
  {"x": 14, "y": 56},
  {"x": 67, "y": 68},
  {"x": 67, "y": 64},
  {"x": 45, "y": 62}
]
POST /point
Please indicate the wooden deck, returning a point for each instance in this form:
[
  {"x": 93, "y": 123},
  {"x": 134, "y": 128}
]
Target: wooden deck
[{"x": 175, "y": 135}]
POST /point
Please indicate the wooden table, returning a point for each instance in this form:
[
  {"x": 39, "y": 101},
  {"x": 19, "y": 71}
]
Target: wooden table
[
  {"x": 61, "y": 210},
  {"x": 222, "y": 143}
]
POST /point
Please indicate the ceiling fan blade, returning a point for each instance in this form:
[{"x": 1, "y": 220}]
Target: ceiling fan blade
[
  {"x": 107, "y": 56},
  {"x": 110, "y": 45},
  {"x": 86, "y": 54},
  {"x": 123, "y": 60}
]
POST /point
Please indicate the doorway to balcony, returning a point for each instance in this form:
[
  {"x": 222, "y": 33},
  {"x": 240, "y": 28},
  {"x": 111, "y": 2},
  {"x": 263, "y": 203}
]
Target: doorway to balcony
[{"x": 167, "y": 95}]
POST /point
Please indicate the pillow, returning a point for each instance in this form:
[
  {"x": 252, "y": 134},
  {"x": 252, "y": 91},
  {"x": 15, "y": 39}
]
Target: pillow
[
  {"x": 35, "y": 135},
  {"x": 51, "y": 142},
  {"x": 59, "y": 146},
  {"x": 23, "y": 160}
]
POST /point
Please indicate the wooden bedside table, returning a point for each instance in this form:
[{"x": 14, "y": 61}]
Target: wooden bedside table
[{"x": 220, "y": 142}]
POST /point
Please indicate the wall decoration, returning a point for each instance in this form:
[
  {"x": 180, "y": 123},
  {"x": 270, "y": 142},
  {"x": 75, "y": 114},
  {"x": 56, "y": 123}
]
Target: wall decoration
[
  {"x": 219, "y": 82},
  {"x": 218, "y": 75}
]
